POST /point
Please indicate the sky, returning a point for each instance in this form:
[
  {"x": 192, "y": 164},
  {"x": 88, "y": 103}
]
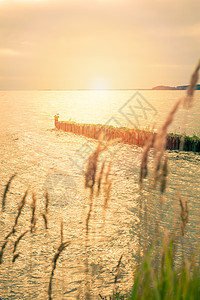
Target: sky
[{"x": 98, "y": 44}]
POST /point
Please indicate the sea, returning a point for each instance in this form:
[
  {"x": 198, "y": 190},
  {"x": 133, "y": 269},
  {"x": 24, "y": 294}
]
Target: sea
[{"x": 43, "y": 159}]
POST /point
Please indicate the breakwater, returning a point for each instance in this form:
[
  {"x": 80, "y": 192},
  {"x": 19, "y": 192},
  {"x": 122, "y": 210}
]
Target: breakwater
[{"x": 126, "y": 135}]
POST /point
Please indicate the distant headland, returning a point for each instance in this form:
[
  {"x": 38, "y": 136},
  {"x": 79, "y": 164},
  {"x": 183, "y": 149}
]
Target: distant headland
[{"x": 179, "y": 87}]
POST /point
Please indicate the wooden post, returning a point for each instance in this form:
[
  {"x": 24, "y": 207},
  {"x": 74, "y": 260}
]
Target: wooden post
[{"x": 56, "y": 117}]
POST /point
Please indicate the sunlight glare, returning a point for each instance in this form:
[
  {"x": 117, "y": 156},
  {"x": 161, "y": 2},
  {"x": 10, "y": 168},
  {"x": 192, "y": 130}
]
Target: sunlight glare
[{"x": 100, "y": 84}]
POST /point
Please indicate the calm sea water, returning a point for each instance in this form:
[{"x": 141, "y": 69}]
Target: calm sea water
[{"x": 43, "y": 158}]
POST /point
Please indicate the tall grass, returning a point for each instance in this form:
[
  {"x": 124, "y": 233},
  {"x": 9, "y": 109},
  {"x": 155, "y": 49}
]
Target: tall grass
[
  {"x": 169, "y": 282},
  {"x": 157, "y": 275}
]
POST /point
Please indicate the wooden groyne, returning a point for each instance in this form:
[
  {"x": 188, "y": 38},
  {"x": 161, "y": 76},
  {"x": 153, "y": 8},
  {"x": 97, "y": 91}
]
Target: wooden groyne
[{"x": 125, "y": 135}]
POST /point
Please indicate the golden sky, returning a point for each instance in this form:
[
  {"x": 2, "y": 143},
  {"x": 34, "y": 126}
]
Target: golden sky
[{"x": 87, "y": 44}]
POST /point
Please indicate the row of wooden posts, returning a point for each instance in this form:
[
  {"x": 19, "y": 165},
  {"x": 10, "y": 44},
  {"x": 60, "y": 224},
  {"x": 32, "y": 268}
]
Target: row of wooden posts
[{"x": 127, "y": 136}]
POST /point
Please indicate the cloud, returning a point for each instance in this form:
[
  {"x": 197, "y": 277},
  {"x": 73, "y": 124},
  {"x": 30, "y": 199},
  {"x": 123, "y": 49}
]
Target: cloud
[{"x": 8, "y": 52}]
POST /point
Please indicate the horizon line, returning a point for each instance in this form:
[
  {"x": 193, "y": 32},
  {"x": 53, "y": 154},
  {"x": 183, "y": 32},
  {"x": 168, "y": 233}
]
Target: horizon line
[
  {"x": 139, "y": 89},
  {"x": 101, "y": 89}
]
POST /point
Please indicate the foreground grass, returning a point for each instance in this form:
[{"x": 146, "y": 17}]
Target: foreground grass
[{"x": 165, "y": 281}]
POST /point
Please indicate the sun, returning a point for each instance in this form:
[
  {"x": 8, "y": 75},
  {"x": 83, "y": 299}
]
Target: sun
[{"x": 100, "y": 84}]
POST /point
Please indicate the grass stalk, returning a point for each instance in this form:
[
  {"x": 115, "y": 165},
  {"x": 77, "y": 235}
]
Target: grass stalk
[
  {"x": 33, "y": 210},
  {"x": 19, "y": 239},
  {"x": 20, "y": 207},
  {"x": 60, "y": 249},
  {"x": 6, "y": 191}
]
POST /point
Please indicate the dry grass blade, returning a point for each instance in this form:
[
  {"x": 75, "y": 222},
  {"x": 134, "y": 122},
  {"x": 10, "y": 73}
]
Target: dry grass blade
[
  {"x": 164, "y": 173},
  {"x": 90, "y": 179},
  {"x": 184, "y": 214},
  {"x": 5, "y": 243},
  {"x": 107, "y": 298},
  {"x": 20, "y": 207},
  {"x": 10, "y": 233},
  {"x": 190, "y": 91},
  {"x": 90, "y": 173},
  {"x": 108, "y": 185},
  {"x": 46, "y": 202},
  {"x": 159, "y": 143},
  {"x": 144, "y": 163},
  {"x": 2, "y": 250},
  {"x": 108, "y": 172},
  {"x": 100, "y": 177},
  {"x": 87, "y": 292},
  {"x": 33, "y": 208},
  {"x": 89, "y": 213},
  {"x": 55, "y": 258},
  {"x": 50, "y": 285},
  {"x": 6, "y": 191},
  {"x": 63, "y": 246},
  {"x": 61, "y": 231},
  {"x": 15, "y": 257},
  {"x": 107, "y": 193},
  {"x": 45, "y": 221},
  {"x": 118, "y": 269},
  {"x": 19, "y": 239},
  {"x": 45, "y": 214}
]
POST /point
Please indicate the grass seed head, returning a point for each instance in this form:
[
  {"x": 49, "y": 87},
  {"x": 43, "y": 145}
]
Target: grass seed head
[{"x": 90, "y": 174}]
